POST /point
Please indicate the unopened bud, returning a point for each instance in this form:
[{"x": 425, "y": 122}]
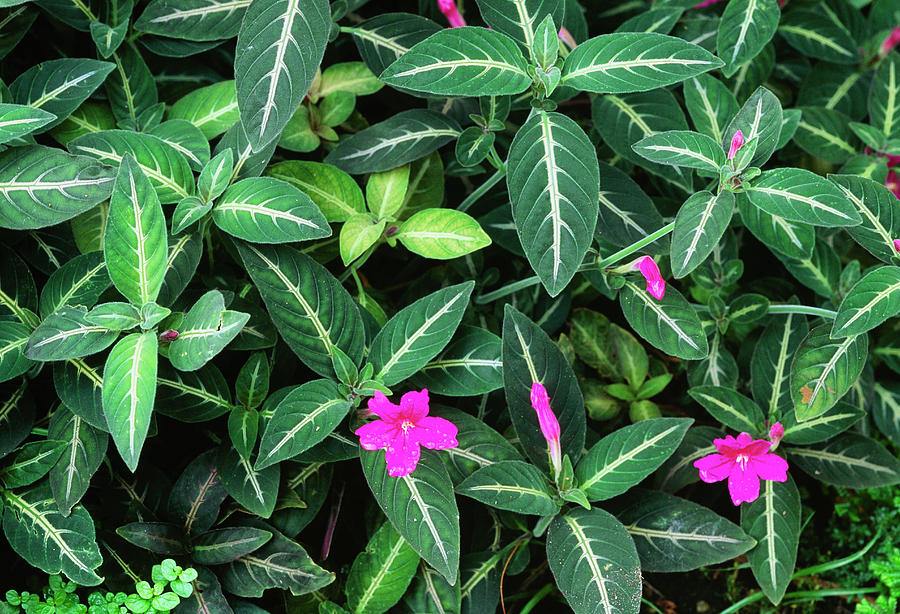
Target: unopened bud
[{"x": 168, "y": 336}]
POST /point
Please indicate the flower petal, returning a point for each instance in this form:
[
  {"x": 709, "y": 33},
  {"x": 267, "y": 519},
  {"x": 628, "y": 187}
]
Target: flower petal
[
  {"x": 435, "y": 433},
  {"x": 402, "y": 456},
  {"x": 383, "y": 408},
  {"x": 714, "y": 468},
  {"x": 414, "y": 405},
  {"x": 770, "y": 467},
  {"x": 743, "y": 484},
  {"x": 376, "y": 435},
  {"x": 757, "y": 447}
]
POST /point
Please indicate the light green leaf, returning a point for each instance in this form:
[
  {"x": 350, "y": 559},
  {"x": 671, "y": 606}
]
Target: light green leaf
[
  {"x": 66, "y": 334},
  {"x": 553, "y": 180},
  {"x": 129, "y": 390},
  {"x": 135, "y": 242},
  {"x": 358, "y": 233},
  {"x": 213, "y": 108},
  {"x": 280, "y": 45},
  {"x": 207, "y": 328},
  {"x": 17, "y": 120},
  {"x": 386, "y": 191},
  {"x": 333, "y": 191},
  {"x": 634, "y": 62},
  {"x": 442, "y": 234},
  {"x": 464, "y": 61}
]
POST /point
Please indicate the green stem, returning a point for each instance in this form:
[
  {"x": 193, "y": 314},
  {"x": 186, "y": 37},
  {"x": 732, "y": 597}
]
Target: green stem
[
  {"x": 806, "y": 310},
  {"x": 545, "y": 590},
  {"x": 590, "y": 266},
  {"x": 481, "y": 190},
  {"x": 358, "y": 262}
]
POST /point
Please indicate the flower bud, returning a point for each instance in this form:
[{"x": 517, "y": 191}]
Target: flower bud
[
  {"x": 737, "y": 141},
  {"x": 656, "y": 285},
  {"x": 168, "y": 336},
  {"x": 548, "y": 423},
  {"x": 451, "y": 12},
  {"x": 776, "y": 432}
]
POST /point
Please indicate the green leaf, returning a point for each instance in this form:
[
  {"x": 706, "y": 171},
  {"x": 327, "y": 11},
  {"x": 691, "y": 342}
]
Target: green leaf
[
  {"x": 746, "y": 27},
  {"x": 699, "y": 225},
  {"x": 13, "y": 339},
  {"x": 184, "y": 255},
  {"x": 634, "y": 62},
  {"x": 255, "y": 490},
  {"x": 108, "y": 38},
  {"x": 268, "y": 210},
  {"x": 625, "y": 457},
  {"x": 594, "y": 562},
  {"x": 43, "y": 186},
  {"x": 849, "y": 460},
  {"x": 814, "y": 34},
  {"x": 46, "y": 539},
  {"x": 660, "y": 20},
  {"x": 301, "y": 420},
  {"x": 59, "y": 86},
  {"x": 16, "y": 416},
  {"x": 215, "y": 175},
  {"x": 186, "y": 139},
  {"x": 18, "y": 293},
  {"x": 530, "y": 356},
  {"x": 225, "y": 545},
  {"x": 885, "y": 410},
  {"x": 17, "y": 120},
  {"x": 197, "y": 494},
  {"x": 195, "y": 396},
  {"x": 135, "y": 242},
  {"x": 66, "y": 334},
  {"x": 627, "y": 214},
  {"x": 473, "y": 146},
  {"x": 519, "y": 19},
  {"x": 310, "y": 308},
  {"x": 877, "y": 206},
  {"x": 791, "y": 239},
  {"x": 825, "y": 133},
  {"x": 824, "y": 426},
  {"x": 872, "y": 300},
  {"x": 407, "y": 136},
  {"x": 385, "y": 37},
  {"x": 773, "y": 520},
  {"x": 670, "y": 324},
  {"x": 386, "y": 191},
  {"x": 511, "y": 485},
  {"x": 166, "y": 168},
  {"x": 157, "y": 537},
  {"x": 190, "y": 210},
  {"x": 213, "y": 109},
  {"x": 802, "y": 196},
  {"x": 78, "y": 383},
  {"x": 83, "y": 452},
  {"x": 719, "y": 368},
  {"x": 80, "y": 281},
  {"x": 464, "y": 61},
  {"x": 748, "y": 308},
  {"x": 682, "y": 148},
  {"x": 469, "y": 366},
  {"x": 759, "y": 118},
  {"x": 279, "y": 47},
  {"x": 252, "y": 386},
  {"x": 824, "y": 369},
  {"x": 884, "y": 97},
  {"x": 131, "y": 89},
  {"x": 333, "y": 191},
  {"x": 730, "y": 407},
  {"x": 32, "y": 462},
  {"x": 479, "y": 445},
  {"x": 381, "y": 573},
  {"x": 358, "y": 234},
  {"x": 210, "y": 20},
  {"x": 417, "y": 333},
  {"x": 281, "y": 563},
  {"x": 553, "y": 180},
  {"x": 129, "y": 390},
  {"x": 207, "y": 328},
  {"x": 243, "y": 428},
  {"x": 673, "y": 534},
  {"x": 442, "y": 234},
  {"x": 421, "y": 506}
]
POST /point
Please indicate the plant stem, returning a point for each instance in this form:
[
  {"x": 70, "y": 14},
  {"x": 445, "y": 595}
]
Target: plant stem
[
  {"x": 545, "y": 590},
  {"x": 481, "y": 190},
  {"x": 803, "y": 310},
  {"x": 589, "y": 266}
]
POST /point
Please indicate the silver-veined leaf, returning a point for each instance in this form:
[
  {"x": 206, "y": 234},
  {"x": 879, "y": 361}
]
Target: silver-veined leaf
[
  {"x": 825, "y": 426},
  {"x": 670, "y": 324},
  {"x": 627, "y": 214},
  {"x": 381, "y": 573},
  {"x": 770, "y": 365},
  {"x": 207, "y": 328},
  {"x": 469, "y": 366},
  {"x": 333, "y": 191},
  {"x": 85, "y": 449},
  {"x": 792, "y": 239},
  {"x": 209, "y": 20},
  {"x": 884, "y": 97},
  {"x": 18, "y": 120},
  {"x": 13, "y": 339},
  {"x": 279, "y": 47},
  {"x": 553, "y": 183},
  {"x": 512, "y": 485},
  {"x": 682, "y": 148},
  {"x": 850, "y": 460},
  {"x": 213, "y": 109},
  {"x": 256, "y": 490},
  {"x": 872, "y": 300},
  {"x": 814, "y": 34},
  {"x": 699, "y": 225},
  {"x": 730, "y": 407},
  {"x": 710, "y": 104},
  {"x": 80, "y": 281},
  {"x": 520, "y": 18},
  {"x": 800, "y": 195},
  {"x": 759, "y": 118},
  {"x": 222, "y": 546},
  {"x": 384, "y": 38},
  {"x": 746, "y": 27},
  {"x": 66, "y": 334},
  {"x": 877, "y": 206}
]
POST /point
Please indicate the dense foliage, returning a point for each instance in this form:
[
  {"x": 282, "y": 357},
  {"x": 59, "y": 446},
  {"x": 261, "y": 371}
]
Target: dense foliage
[{"x": 344, "y": 310}]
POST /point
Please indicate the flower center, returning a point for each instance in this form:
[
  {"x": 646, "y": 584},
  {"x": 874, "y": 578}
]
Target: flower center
[
  {"x": 406, "y": 425},
  {"x": 742, "y": 460}
]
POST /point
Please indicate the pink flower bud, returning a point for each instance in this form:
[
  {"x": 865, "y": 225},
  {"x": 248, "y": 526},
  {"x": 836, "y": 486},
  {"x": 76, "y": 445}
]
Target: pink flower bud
[
  {"x": 449, "y": 10},
  {"x": 540, "y": 401},
  {"x": 705, "y": 3},
  {"x": 776, "y": 432},
  {"x": 168, "y": 336},
  {"x": 566, "y": 37},
  {"x": 891, "y": 41},
  {"x": 897, "y": 245},
  {"x": 737, "y": 141},
  {"x": 656, "y": 285}
]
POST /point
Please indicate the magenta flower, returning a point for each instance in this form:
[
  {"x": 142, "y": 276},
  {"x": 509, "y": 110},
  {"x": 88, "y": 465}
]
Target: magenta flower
[
  {"x": 776, "y": 432},
  {"x": 897, "y": 244},
  {"x": 540, "y": 401},
  {"x": 705, "y": 3},
  {"x": 451, "y": 12},
  {"x": 656, "y": 285},
  {"x": 402, "y": 429},
  {"x": 737, "y": 141},
  {"x": 891, "y": 41},
  {"x": 893, "y": 183},
  {"x": 744, "y": 462}
]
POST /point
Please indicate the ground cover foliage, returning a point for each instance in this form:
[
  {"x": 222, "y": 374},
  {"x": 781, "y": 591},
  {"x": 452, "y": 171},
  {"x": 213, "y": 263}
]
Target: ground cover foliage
[{"x": 337, "y": 308}]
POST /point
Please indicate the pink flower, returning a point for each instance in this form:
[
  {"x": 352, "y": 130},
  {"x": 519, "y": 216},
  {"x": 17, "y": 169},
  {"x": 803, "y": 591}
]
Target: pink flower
[
  {"x": 744, "y": 461},
  {"x": 897, "y": 245},
  {"x": 891, "y": 41},
  {"x": 656, "y": 285},
  {"x": 540, "y": 401},
  {"x": 566, "y": 37},
  {"x": 776, "y": 432},
  {"x": 893, "y": 183},
  {"x": 706, "y": 3},
  {"x": 737, "y": 141},
  {"x": 451, "y": 12},
  {"x": 402, "y": 429}
]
